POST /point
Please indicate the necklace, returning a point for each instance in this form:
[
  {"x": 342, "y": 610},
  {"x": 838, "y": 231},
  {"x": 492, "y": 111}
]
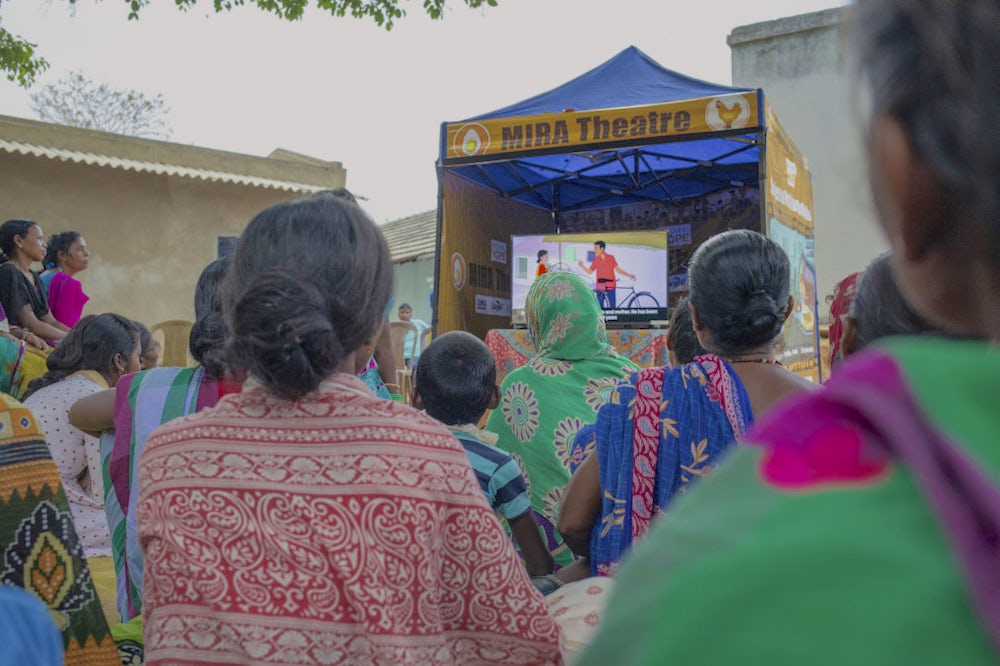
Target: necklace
[{"x": 759, "y": 359}]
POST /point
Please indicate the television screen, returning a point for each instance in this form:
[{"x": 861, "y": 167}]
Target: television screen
[{"x": 626, "y": 269}]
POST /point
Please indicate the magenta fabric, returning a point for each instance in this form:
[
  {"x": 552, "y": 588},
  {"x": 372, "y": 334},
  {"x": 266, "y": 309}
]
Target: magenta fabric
[
  {"x": 867, "y": 416},
  {"x": 66, "y": 299}
]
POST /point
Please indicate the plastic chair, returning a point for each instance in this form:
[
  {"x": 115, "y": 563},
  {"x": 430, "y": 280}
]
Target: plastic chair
[
  {"x": 425, "y": 338},
  {"x": 398, "y": 331},
  {"x": 173, "y": 337}
]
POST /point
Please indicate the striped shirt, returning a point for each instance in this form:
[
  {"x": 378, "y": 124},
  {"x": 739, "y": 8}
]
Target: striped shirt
[{"x": 499, "y": 476}]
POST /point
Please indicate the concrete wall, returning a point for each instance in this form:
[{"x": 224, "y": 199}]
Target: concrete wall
[
  {"x": 802, "y": 63},
  {"x": 413, "y": 283},
  {"x": 149, "y": 235}
]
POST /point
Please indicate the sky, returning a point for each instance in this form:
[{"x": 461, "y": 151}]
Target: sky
[{"x": 345, "y": 90}]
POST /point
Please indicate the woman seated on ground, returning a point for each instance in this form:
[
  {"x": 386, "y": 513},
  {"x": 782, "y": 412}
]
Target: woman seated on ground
[
  {"x": 99, "y": 350},
  {"x": 22, "y": 294},
  {"x": 22, "y": 357},
  {"x": 862, "y": 528},
  {"x": 547, "y": 401},
  {"x": 140, "y": 404},
  {"x": 40, "y": 547},
  {"x": 368, "y": 540},
  {"x": 149, "y": 348},
  {"x": 682, "y": 341},
  {"x": 65, "y": 256},
  {"x": 667, "y": 427},
  {"x": 840, "y": 307},
  {"x": 879, "y": 310}
]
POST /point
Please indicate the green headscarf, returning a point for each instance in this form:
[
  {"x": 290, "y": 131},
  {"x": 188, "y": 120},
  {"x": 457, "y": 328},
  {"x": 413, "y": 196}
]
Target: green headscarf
[{"x": 548, "y": 400}]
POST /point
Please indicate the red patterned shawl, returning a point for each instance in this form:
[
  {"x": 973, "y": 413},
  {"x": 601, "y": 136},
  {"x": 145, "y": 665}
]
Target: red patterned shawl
[{"x": 336, "y": 529}]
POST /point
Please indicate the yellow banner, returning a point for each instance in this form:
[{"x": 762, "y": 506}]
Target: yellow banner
[
  {"x": 789, "y": 187},
  {"x": 789, "y": 212},
  {"x": 553, "y": 131}
]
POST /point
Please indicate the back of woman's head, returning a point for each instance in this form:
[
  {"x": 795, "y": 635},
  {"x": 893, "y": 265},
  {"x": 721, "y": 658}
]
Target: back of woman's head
[
  {"x": 933, "y": 66},
  {"x": 681, "y": 338},
  {"x": 739, "y": 282},
  {"x": 57, "y": 243},
  {"x": 309, "y": 285},
  {"x": 207, "y": 341},
  {"x": 104, "y": 343},
  {"x": 879, "y": 309},
  {"x": 9, "y": 230}
]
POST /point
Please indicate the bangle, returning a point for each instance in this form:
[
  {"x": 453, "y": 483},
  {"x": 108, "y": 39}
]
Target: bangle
[{"x": 391, "y": 387}]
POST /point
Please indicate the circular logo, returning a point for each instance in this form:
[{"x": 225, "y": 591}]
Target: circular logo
[
  {"x": 471, "y": 139},
  {"x": 729, "y": 112},
  {"x": 459, "y": 271}
]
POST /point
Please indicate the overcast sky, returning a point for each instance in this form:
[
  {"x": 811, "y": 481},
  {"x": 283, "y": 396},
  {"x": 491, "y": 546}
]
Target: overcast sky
[{"x": 344, "y": 90}]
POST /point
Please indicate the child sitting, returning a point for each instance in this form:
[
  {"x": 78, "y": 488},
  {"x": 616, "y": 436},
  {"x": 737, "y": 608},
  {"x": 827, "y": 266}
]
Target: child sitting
[{"x": 456, "y": 383}]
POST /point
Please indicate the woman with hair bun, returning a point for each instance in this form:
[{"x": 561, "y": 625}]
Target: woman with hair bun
[
  {"x": 665, "y": 428},
  {"x": 860, "y": 525},
  {"x": 66, "y": 255},
  {"x": 138, "y": 405},
  {"x": 305, "y": 519}
]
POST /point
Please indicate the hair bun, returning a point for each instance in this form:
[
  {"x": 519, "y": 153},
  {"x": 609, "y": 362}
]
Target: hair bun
[{"x": 283, "y": 334}]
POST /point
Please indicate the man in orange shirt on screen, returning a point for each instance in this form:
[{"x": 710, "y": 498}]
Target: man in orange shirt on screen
[{"x": 605, "y": 266}]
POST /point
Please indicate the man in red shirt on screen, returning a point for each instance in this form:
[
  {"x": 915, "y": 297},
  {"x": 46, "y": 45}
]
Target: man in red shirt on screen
[{"x": 605, "y": 266}]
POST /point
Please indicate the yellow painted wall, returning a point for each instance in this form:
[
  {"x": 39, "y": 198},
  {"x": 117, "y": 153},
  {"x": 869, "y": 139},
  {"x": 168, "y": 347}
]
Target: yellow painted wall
[{"x": 149, "y": 235}]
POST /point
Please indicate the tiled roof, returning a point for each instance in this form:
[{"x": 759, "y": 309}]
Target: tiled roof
[
  {"x": 151, "y": 167},
  {"x": 412, "y": 237}
]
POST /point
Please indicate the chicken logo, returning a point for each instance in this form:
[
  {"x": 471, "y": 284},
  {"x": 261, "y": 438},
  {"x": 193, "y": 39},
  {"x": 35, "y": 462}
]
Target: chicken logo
[
  {"x": 791, "y": 172},
  {"x": 726, "y": 113},
  {"x": 471, "y": 139}
]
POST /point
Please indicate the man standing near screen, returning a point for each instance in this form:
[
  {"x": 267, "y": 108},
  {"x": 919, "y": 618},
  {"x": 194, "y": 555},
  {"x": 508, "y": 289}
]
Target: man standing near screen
[{"x": 605, "y": 266}]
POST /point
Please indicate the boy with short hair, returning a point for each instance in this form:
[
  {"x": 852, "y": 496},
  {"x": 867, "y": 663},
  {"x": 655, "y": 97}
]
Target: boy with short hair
[
  {"x": 456, "y": 383},
  {"x": 411, "y": 345}
]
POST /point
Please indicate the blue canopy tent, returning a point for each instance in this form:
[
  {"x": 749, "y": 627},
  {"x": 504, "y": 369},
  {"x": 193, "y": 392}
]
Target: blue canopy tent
[
  {"x": 626, "y": 132},
  {"x": 619, "y": 171}
]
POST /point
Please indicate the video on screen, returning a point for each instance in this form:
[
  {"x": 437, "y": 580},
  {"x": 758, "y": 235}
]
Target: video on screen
[{"x": 626, "y": 270}]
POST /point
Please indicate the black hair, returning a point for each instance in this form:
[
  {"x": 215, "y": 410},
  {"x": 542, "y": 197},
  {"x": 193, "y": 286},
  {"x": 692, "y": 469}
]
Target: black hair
[
  {"x": 208, "y": 337},
  {"x": 8, "y": 231},
  {"x": 404, "y": 305},
  {"x": 146, "y": 340},
  {"x": 602, "y": 245},
  {"x": 739, "y": 282},
  {"x": 60, "y": 242},
  {"x": 309, "y": 285},
  {"x": 541, "y": 253},
  {"x": 932, "y": 65},
  {"x": 90, "y": 345},
  {"x": 681, "y": 337},
  {"x": 880, "y": 310},
  {"x": 456, "y": 377},
  {"x": 338, "y": 193}
]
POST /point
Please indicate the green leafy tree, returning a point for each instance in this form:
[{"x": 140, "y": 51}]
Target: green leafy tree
[
  {"x": 79, "y": 101},
  {"x": 19, "y": 61}
]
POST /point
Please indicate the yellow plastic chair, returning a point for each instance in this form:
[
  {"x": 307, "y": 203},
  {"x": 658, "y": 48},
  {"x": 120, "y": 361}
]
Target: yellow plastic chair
[
  {"x": 173, "y": 337},
  {"x": 425, "y": 338}
]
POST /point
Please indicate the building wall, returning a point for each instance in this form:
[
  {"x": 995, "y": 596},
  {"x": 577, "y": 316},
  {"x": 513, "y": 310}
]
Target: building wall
[
  {"x": 802, "y": 63},
  {"x": 413, "y": 283},
  {"x": 149, "y": 235}
]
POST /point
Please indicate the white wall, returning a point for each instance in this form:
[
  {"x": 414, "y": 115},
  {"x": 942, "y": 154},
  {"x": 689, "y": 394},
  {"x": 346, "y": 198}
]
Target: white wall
[{"x": 802, "y": 63}]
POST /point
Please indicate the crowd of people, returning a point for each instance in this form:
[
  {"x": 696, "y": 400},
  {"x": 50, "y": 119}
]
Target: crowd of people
[{"x": 272, "y": 504}]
